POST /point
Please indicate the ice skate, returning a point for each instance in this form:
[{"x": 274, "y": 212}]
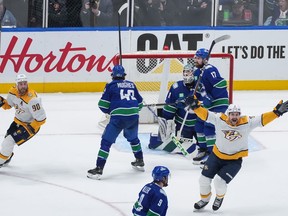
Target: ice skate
[
  {"x": 201, "y": 157},
  {"x": 200, "y": 205},
  {"x": 7, "y": 161},
  {"x": 95, "y": 173},
  {"x": 138, "y": 164},
  {"x": 217, "y": 203}
]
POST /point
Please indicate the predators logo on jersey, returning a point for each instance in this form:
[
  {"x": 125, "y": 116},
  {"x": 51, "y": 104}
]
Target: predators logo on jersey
[{"x": 231, "y": 135}]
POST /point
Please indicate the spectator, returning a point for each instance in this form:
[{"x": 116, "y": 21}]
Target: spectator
[
  {"x": 195, "y": 12},
  {"x": 6, "y": 17},
  {"x": 238, "y": 13},
  {"x": 167, "y": 13},
  {"x": 151, "y": 12},
  {"x": 36, "y": 14},
  {"x": 97, "y": 13},
  {"x": 73, "y": 13},
  {"x": 57, "y": 13},
  {"x": 280, "y": 16}
]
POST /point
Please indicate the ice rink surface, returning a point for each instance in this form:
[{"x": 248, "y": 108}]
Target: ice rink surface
[{"x": 47, "y": 175}]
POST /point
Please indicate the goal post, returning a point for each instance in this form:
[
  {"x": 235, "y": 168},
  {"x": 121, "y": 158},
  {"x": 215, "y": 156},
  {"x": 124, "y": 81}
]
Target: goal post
[{"x": 154, "y": 72}]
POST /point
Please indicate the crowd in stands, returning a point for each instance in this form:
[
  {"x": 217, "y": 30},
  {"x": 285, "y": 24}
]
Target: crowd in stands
[{"x": 94, "y": 13}]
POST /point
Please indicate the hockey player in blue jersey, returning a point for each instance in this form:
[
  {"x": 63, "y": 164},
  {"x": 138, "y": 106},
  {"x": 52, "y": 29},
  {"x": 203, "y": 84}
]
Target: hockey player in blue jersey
[
  {"x": 152, "y": 199},
  {"x": 215, "y": 100},
  {"x": 122, "y": 101},
  {"x": 173, "y": 114}
]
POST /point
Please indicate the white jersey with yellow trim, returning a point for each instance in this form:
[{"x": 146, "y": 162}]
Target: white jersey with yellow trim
[
  {"x": 27, "y": 107},
  {"x": 232, "y": 141}
]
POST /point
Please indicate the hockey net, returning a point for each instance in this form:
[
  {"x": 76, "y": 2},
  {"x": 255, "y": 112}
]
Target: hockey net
[{"x": 154, "y": 73}]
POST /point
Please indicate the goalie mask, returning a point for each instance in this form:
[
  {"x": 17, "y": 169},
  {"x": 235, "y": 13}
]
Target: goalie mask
[{"x": 188, "y": 74}]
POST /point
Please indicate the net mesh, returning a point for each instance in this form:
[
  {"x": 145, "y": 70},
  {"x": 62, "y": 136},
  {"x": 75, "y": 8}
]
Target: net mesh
[{"x": 154, "y": 72}]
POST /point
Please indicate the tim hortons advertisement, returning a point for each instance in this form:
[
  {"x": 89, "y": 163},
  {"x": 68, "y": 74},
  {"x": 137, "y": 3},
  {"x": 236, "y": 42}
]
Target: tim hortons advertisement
[{"x": 79, "y": 56}]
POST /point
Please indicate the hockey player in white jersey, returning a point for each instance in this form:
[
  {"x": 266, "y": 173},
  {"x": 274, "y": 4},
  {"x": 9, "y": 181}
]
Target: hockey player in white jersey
[
  {"x": 29, "y": 116},
  {"x": 232, "y": 131}
]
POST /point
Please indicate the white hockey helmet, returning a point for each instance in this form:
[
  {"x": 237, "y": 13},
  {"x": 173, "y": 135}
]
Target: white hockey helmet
[
  {"x": 21, "y": 78},
  {"x": 233, "y": 108}
]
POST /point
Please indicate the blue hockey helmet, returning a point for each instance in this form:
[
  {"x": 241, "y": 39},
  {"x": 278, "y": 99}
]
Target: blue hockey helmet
[
  {"x": 160, "y": 172},
  {"x": 202, "y": 53},
  {"x": 118, "y": 71}
]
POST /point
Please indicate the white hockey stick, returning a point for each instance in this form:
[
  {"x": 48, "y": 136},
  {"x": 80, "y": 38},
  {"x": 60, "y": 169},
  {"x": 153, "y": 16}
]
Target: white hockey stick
[{"x": 217, "y": 40}]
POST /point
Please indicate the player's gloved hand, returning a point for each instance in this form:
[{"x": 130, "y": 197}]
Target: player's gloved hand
[
  {"x": 2, "y": 101},
  {"x": 192, "y": 102},
  {"x": 180, "y": 103},
  {"x": 281, "y": 108}
]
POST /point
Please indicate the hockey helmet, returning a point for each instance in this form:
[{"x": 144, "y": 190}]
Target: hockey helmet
[
  {"x": 202, "y": 53},
  {"x": 188, "y": 76},
  {"x": 160, "y": 172},
  {"x": 118, "y": 71},
  {"x": 21, "y": 78},
  {"x": 233, "y": 108}
]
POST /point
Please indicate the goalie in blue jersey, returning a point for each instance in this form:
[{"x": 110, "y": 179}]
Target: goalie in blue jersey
[
  {"x": 173, "y": 115},
  {"x": 122, "y": 101},
  {"x": 152, "y": 198}
]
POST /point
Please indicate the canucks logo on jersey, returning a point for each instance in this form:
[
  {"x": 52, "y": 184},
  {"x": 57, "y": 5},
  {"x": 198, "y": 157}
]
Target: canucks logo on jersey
[{"x": 231, "y": 135}]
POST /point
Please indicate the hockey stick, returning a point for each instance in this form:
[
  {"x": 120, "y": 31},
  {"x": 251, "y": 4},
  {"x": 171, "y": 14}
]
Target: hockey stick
[
  {"x": 158, "y": 104},
  {"x": 217, "y": 40},
  {"x": 123, "y": 7}
]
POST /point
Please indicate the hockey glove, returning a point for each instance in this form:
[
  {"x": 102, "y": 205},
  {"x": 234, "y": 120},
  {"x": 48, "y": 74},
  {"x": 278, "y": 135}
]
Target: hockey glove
[
  {"x": 180, "y": 103},
  {"x": 192, "y": 102},
  {"x": 2, "y": 101},
  {"x": 281, "y": 108}
]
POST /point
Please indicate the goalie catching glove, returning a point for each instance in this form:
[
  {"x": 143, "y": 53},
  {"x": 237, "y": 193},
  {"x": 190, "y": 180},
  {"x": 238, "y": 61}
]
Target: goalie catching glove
[
  {"x": 281, "y": 108},
  {"x": 192, "y": 102}
]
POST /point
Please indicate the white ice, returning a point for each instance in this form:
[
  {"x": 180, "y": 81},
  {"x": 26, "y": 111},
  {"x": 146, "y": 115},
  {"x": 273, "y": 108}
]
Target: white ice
[{"x": 47, "y": 175}]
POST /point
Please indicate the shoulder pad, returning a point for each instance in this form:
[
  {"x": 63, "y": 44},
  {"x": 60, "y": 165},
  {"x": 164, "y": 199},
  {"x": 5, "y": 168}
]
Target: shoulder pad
[
  {"x": 29, "y": 96},
  {"x": 13, "y": 90}
]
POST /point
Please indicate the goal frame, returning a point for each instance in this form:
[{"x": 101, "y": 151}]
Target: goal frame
[{"x": 169, "y": 55}]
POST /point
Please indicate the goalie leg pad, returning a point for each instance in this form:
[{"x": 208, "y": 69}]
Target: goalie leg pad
[
  {"x": 154, "y": 142},
  {"x": 166, "y": 128}
]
